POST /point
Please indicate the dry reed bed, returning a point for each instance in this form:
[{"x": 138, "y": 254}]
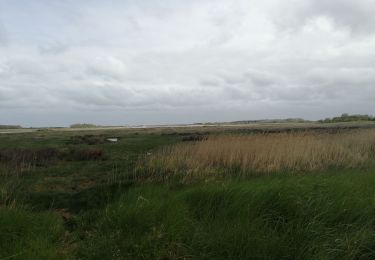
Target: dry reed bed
[{"x": 243, "y": 155}]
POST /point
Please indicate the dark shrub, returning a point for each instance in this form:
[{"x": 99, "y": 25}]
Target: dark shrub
[
  {"x": 45, "y": 155},
  {"x": 194, "y": 138},
  {"x": 38, "y": 157},
  {"x": 85, "y": 154},
  {"x": 87, "y": 139}
]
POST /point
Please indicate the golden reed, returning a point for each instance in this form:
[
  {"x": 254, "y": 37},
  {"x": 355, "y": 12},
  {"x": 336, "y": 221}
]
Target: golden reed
[{"x": 260, "y": 154}]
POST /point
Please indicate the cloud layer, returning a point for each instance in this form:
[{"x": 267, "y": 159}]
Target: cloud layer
[{"x": 129, "y": 62}]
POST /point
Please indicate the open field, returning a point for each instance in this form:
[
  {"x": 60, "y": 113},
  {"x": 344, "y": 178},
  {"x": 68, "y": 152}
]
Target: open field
[{"x": 270, "y": 191}]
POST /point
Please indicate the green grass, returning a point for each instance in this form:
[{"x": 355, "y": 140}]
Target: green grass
[
  {"x": 314, "y": 217},
  {"x": 71, "y": 209},
  {"x": 31, "y": 225},
  {"x": 63, "y": 178},
  {"x": 29, "y": 235}
]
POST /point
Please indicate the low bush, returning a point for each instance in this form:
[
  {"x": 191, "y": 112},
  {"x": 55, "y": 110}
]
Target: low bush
[
  {"x": 194, "y": 138},
  {"x": 85, "y": 154},
  {"x": 36, "y": 157},
  {"x": 87, "y": 139}
]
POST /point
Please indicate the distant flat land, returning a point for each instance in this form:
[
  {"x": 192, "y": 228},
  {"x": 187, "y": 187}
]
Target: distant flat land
[
  {"x": 16, "y": 131},
  {"x": 208, "y": 127}
]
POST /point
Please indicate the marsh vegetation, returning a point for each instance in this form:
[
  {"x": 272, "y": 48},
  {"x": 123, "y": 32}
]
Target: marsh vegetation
[
  {"x": 202, "y": 193},
  {"x": 228, "y": 156}
]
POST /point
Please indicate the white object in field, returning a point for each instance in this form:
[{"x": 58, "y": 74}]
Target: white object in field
[{"x": 112, "y": 139}]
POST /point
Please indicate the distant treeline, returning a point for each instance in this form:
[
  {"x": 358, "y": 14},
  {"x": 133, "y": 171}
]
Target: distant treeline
[
  {"x": 343, "y": 118},
  {"x": 348, "y": 118},
  {"x": 287, "y": 120},
  {"x": 83, "y": 126},
  {"x": 244, "y": 122},
  {"x": 10, "y": 126}
]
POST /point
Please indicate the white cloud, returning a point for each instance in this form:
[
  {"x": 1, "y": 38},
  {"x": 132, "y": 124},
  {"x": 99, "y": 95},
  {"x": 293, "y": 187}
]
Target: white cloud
[{"x": 185, "y": 61}]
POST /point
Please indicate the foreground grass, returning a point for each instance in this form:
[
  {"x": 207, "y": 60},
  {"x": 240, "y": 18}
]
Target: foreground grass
[
  {"x": 323, "y": 216},
  {"x": 296, "y": 217},
  {"x": 30, "y": 235}
]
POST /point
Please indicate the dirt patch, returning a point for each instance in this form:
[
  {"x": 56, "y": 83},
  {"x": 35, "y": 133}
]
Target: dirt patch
[
  {"x": 86, "y": 185},
  {"x": 65, "y": 214}
]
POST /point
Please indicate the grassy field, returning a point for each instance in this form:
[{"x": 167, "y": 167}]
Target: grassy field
[{"x": 273, "y": 192}]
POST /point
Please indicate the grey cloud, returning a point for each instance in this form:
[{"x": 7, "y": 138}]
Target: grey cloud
[
  {"x": 99, "y": 96},
  {"x": 52, "y": 47},
  {"x": 317, "y": 85},
  {"x": 355, "y": 77},
  {"x": 5, "y": 70},
  {"x": 357, "y": 16},
  {"x": 3, "y": 35},
  {"x": 6, "y": 94},
  {"x": 190, "y": 61},
  {"x": 344, "y": 83},
  {"x": 210, "y": 82},
  {"x": 263, "y": 78},
  {"x": 107, "y": 68}
]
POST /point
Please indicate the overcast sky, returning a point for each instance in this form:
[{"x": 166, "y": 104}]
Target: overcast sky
[{"x": 168, "y": 61}]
